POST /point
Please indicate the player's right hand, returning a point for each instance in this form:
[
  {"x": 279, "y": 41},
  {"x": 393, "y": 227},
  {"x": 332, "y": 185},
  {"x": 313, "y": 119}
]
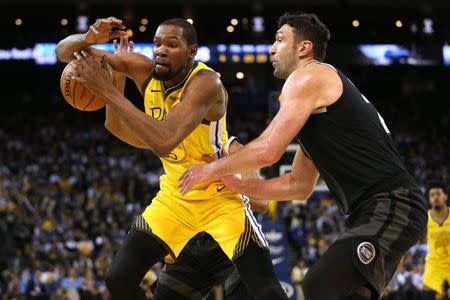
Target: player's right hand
[{"x": 104, "y": 30}]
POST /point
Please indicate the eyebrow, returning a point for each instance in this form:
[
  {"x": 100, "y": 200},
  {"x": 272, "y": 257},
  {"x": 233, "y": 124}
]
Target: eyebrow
[
  {"x": 167, "y": 37},
  {"x": 279, "y": 32}
]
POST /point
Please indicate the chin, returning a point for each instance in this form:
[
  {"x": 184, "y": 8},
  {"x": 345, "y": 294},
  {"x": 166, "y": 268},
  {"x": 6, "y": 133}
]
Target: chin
[{"x": 164, "y": 76}]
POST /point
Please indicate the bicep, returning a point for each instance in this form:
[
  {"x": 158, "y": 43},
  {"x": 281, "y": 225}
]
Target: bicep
[{"x": 294, "y": 111}]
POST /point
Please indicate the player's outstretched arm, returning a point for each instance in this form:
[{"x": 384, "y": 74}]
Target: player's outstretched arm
[
  {"x": 298, "y": 184},
  {"x": 259, "y": 206}
]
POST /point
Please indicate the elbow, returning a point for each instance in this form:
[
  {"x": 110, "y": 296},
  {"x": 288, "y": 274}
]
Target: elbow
[
  {"x": 264, "y": 206},
  {"x": 163, "y": 149},
  {"x": 60, "y": 54},
  {"x": 268, "y": 156},
  {"x": 304, "y": 193}
]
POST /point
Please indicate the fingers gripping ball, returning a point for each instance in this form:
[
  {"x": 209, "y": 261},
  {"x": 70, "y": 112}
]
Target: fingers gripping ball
[{"x": 76, "y": 94}]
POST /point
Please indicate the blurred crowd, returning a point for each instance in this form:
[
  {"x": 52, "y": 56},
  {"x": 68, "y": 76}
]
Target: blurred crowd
[{"x": 69, "y": 191}]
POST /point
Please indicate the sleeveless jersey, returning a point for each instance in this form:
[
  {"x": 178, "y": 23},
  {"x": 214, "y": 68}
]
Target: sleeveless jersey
[
  {"x": 438, "y": 238},
  {"x": 208, "y": 138},
  {"x": 352, "y": 149}
]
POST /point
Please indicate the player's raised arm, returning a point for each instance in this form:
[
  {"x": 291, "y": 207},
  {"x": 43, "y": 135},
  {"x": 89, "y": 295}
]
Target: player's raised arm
[
  {"x": 134, "y": 65},
  {"x": 102, "y": 31},
  {"x": 297, "y": 184}
]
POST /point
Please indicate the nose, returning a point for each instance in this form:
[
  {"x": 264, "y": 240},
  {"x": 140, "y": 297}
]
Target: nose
[
  {"x": 161, "y": 51},
  {"x": 273, "y": 50}
]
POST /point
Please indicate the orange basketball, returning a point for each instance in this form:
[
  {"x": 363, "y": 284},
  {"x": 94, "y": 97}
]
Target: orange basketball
[{"x": 76, "y": 94}]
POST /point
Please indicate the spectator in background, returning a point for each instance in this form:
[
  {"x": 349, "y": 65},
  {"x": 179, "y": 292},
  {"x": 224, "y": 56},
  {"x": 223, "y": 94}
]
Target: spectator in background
[{"x": 298, "y": 274}]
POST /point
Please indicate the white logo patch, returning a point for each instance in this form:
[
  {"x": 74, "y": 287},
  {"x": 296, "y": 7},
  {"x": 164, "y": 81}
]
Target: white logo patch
[{"x": 366, "y": 252}]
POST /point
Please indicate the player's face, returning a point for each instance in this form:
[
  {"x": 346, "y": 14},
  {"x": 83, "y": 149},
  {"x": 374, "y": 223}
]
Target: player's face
[
  {"x": 171, "y": 52},
  {"x": 283, "y": 53},
  {"x": 437, "y": 198}
]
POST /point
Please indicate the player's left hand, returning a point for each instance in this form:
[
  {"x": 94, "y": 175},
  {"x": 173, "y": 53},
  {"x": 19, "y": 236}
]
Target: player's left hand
[
  {"x": 97, "y": 78},
  {"x": 195, "y": 174}
]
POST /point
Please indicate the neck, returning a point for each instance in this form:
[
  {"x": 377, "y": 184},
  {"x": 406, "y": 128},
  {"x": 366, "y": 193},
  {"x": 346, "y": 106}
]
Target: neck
[
  {"x": 303, "y": 63},
  {"x": 180, "y": 75}
]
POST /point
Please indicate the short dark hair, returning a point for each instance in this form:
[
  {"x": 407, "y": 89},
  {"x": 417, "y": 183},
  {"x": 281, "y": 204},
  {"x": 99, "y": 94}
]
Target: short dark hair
[
  {"x": 436, "y": 184},
  {"x": 308, "y": 27},
  {"x": 189, "y": 32}
]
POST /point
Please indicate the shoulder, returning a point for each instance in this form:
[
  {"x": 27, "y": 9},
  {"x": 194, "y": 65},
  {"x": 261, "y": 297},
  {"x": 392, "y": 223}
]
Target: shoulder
[
  {"x": 319, "y": 81},
  {"x": 205, "y": 79}
]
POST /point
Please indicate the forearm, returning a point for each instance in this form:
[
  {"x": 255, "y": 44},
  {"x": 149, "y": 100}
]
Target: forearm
[
  {"x": 279, "y": 188},
  {"x": 245, "y": 160},
  {"x": 69, "y": 45},
  {"x": 113, "y": 123},
  {"x": 151, "y": 132}
]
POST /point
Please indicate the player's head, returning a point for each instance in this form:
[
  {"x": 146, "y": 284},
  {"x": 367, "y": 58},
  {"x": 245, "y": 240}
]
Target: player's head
[
  {"x": 175, "y": 47},
  {"x": 437, "y": 195},
  {"x": 299, "y": 36}
]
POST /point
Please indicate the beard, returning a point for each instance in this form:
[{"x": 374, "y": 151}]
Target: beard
[{"x": 164, "y": 76}]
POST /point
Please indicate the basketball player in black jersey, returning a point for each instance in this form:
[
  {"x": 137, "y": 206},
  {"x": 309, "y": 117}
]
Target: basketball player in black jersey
[{"x": 343, "y": 138}]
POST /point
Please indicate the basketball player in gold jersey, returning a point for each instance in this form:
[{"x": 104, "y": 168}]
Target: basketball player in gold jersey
[
  {"x": 184, "y": 119},
  {"x": 437, "y": 262}
]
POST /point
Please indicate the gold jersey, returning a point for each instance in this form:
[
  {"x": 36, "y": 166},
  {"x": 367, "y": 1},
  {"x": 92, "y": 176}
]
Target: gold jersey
[
  {"x": 438, "y": 237},
  {"x": 207, "y": 139}
]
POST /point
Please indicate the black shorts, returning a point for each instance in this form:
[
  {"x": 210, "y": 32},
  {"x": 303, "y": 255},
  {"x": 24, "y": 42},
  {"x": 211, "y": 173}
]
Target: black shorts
[
  {"x": 380, "y": 231},
  {"x": 201, "y": 265}
]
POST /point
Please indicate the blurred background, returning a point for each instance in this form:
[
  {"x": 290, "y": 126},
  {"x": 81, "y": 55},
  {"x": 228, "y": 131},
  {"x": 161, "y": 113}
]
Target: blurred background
[{"x": 69, "y": 190}]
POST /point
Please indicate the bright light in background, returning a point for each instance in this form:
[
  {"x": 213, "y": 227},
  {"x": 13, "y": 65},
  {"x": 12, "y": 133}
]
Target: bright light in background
[
  {"x": 144, "y": 21},
  {"x": 258, "y": 24},
  {"x": 190, "y": 20},
  {"x": 129, "y": 32},
  {"x": 355, "y": 23},
  {"x": 82, "y": 23},
  {"x": 399, "y": 24},
  {"x": 18, "y": 21},
  {"x": 428, "y": 26},
  {"x": 142, "y": 28},
  {"x": 239, "y": 75},
  {"x": 64, "y": 22},
  {"x": 234, "y": 22},
  {"x": 230, "y": 28}
]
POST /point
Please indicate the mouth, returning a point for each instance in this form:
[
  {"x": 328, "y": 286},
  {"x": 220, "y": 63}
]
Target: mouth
[
  {"x": 274, "y": 64},
  {"x": 161, "y": 65}
]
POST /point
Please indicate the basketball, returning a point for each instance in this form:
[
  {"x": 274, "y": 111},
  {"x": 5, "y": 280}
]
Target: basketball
[{"x": 76, "y": 94}]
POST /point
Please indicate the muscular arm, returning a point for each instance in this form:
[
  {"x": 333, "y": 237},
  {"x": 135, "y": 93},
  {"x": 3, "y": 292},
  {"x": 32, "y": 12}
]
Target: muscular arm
[
  {"x": 304, "y": 91},
  {"x": 259, "y": 206},
  {"x": 298, "y": 184},
  {"x": 112, "y": 122},
  {"x": 134, "y": 65}
]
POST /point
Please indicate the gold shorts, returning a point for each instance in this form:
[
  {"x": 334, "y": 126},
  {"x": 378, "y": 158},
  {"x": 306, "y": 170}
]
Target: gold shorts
[{"x": 174, "y": 221}]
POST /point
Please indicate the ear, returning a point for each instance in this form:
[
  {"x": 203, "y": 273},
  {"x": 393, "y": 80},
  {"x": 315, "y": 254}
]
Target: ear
[
  {"x": 305, "y": 48},
  {"x": 193, "y": 50}
]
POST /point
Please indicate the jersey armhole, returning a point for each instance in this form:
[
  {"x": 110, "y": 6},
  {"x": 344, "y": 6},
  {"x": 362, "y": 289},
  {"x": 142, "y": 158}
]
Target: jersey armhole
[{"x": 146, "y": 82}]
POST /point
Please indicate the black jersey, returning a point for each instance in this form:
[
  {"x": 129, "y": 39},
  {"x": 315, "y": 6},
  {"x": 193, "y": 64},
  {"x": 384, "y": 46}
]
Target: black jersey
[{"x": 352, "y": 149}]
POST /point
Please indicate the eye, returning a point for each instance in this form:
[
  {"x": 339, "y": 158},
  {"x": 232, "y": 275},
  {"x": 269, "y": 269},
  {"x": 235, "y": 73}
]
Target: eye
[{"x": 173, "y": 45}]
